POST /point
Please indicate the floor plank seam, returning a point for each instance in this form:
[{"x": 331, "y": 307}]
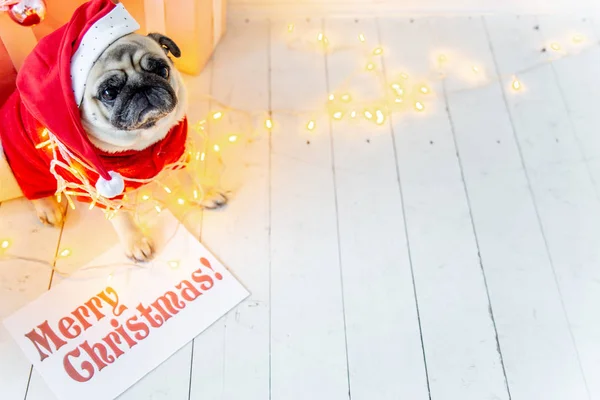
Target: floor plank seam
[
  {"x": 337, "y": 218},
  {"x": 535, "y": 206},
  {"x": 474, "y": 230},
  {"x": 401, "y": 194}
]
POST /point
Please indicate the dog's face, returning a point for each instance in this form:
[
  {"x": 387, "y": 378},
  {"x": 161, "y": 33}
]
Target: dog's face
[{"x": 133, "y": 95}]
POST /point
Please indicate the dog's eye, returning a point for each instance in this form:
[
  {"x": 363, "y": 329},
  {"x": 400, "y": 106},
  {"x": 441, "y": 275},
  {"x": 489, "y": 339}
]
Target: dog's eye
[
  {"x": 109, "y": 94},
  {"x": 163, "y": 72}
]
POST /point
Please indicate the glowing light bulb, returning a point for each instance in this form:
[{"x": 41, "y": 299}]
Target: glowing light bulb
[
  {"x": 419, "y": 106},
  {"x": 398, "y": 100},
  {"x": 216, "y": 148},
  {"x": 311, "y": 125},
  {"x": 65, "y": 253},
  {"x": 555, "y": 46},
  {"x": 290, "y": 27},
  {"x": 380, "y": 117},
  {"x": 180, "y": 202},
  {"x": 233, "y": 138},
  {"x": 200, "y": 125},
  {"x": 404, "y": 76},
  {"x": 196, "y": 194},
  {"x": 337, "y": 115},
  {"x": 71, "y": 204},
  {"x": 269, "y": 124},
  {"x": 202, "y": 157},
  {"x": 174, "y": 264},
  {"x": 475, "y": 69},
  {"x": 424, "y": 89},
  {"x": 578, "y": 38},
  {"x": 368, "y": 114},
  {"x": 353, "y": 114},
  {"x": 145, "y": 197},
  {"x": 45, "y": 132},
  {"x": 109, "y": 278},
  {"x": 43, "y": 144},
  {"x": 378, "y": 51},
  {"x": 346, "y": 97},
  {"x": 197, "y": 155},
  {"x": 217, "y": 115},
  {"x": 370, "y": 66},
  {"x": 5, "y": 244},
  {"x": 516, "y": 85},
  {"x": 320, "y": 37},
  {"x": 167, "y": 189},
  {"x": 442, "y": 58},
  {"x": 361, "y": 37},
  {"x": 399, "y": 91},
  {"x": 157, "y": 208},
  {"x": 92, "y": 205},
  {"x": 331, "y": 97}
]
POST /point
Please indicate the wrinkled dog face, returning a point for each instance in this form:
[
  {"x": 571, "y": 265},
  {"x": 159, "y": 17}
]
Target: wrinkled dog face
[{"x": 134, "y": 94}]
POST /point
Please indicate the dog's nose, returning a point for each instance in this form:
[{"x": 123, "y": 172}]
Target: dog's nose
[{"x": 157, "y": 97}]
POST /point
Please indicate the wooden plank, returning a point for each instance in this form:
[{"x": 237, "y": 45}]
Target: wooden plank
[
  {"x": 563, "y": 190},
  {"x": 233, "y": 360},
  {"x": 458, "y": 331},
  {"x": 579, "y": 88},
  {"x": 574, "y": 70},
  {"x": 526, "y": 300},
  {"x": 308, "y": 347},
  {"x": 20, "y": 283},
  {"x": 377, "y": 281}
]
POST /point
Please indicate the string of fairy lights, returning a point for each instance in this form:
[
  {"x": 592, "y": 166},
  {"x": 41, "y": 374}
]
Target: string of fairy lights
[{"x": 399, "y": 95}]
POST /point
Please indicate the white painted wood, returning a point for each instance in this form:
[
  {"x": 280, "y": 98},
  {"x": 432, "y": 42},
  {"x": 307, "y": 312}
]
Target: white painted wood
[
  {"x": 576, "y": 73},
  {"x": 386, "y": 8},
  {"x": 357, "y": 286},
  {"x": 578, "y": 82},
  {"x": 384, "y": 344},
  {"x": 232, "y": 362},
  {"x": 458, "y": 331},
  {"x": 21, "y": 282},
  {"x": 524, "y": 295},
  {"x": 564, "y": 193},
  {"x": 308, "y": 347}
]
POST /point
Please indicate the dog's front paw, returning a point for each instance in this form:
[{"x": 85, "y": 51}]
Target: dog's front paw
[
  {"x": 214, "y": 199},
  {"x": 139, "y": 248},
  {"x": 49, "y": 211}
]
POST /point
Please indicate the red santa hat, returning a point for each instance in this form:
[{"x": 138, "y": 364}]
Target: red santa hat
[{"x": 52, "y": 80}]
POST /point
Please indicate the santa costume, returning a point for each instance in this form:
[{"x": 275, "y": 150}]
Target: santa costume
[{"x": 49, "y": 90}]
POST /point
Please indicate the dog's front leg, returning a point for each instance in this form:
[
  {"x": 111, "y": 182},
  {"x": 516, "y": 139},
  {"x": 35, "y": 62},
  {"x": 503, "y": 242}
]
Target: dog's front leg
[
  {"x": 137, "y": 246},
  {"x": 49, "y": 211}
]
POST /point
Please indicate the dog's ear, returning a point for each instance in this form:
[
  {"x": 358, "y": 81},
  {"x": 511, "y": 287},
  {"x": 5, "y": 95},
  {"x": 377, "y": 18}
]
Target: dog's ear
[{"x": 166, "y": 43}]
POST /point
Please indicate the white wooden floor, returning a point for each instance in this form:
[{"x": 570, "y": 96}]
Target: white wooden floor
[{"x": 449, "y": 254}]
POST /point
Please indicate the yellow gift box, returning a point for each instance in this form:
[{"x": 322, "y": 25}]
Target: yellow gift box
[{"x": 195, "y": 25}]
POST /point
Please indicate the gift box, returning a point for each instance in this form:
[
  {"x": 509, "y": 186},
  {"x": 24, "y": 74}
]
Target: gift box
[{"x": 195, "y": 25}]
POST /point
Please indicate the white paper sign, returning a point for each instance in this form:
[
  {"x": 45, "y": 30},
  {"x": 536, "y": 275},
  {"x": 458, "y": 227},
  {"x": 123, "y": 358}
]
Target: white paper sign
[{"x": 93, "y": 336}]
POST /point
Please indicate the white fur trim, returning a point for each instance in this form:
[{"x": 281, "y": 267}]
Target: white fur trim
[
  {"x": 102, "y": 34},
  {"x": 112, "y": 188}
]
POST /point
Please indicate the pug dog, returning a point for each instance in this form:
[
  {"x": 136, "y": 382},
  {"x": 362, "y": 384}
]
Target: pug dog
[{"x": 133, "y": 96}]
